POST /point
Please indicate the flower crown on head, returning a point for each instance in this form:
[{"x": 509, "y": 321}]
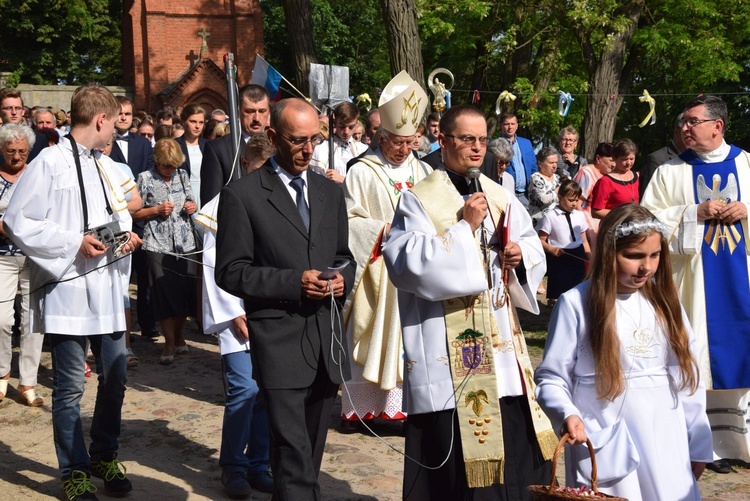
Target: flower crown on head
[{"x": 623, "y": 230}]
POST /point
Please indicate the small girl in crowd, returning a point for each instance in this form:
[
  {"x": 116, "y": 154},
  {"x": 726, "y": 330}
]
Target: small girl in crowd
[
  {"x": 563, "y": 234},
  {"x": 620, "y": 368}
]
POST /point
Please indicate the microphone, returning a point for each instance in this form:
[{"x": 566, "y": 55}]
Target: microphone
[{"x": 474, "y": 185}]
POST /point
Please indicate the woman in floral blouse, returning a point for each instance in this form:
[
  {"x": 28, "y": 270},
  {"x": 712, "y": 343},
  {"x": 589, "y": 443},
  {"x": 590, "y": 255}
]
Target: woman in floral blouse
[
  {"x": 168, "y": 203},
  {"x": 543, "y": 184}
]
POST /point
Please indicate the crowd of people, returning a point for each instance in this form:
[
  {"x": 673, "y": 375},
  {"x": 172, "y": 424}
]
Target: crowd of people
[{"x": 385, "y": 257}]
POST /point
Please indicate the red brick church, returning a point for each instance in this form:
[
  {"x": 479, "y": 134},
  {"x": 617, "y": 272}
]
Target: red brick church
[{"x": 173, "y": 50}]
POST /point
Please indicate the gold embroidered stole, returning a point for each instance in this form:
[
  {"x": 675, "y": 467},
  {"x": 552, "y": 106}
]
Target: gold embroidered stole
[
  {"x": 471, "y": 352},
  {"x": 467, "y": 320},
  {"x": 117, "y": 202}
]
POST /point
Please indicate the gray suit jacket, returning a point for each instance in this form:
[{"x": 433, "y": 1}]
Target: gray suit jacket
[
  {"x": 652, "y": 161},
  {"x": 262, "y": 251}
]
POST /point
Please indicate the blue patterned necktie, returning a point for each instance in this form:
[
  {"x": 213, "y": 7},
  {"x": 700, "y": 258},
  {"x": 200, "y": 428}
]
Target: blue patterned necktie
[{"x": 304, "y": 211}]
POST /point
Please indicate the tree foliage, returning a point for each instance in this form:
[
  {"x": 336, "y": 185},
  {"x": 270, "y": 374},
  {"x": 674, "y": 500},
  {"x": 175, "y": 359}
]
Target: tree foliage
[
  {"x": 347, "y": 33},
  {"x": 61, "y": 41}
]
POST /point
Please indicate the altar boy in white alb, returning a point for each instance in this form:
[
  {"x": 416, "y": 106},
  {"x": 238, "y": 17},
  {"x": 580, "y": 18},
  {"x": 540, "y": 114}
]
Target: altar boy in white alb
[
  {"x": 345, "y": 120},
  {"x": 460, "y": 275},
  {"x": 67, "y": 191}
]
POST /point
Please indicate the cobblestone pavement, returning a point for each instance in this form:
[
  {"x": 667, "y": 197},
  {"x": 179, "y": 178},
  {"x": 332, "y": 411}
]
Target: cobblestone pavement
[{"x": 171, "y": 434}]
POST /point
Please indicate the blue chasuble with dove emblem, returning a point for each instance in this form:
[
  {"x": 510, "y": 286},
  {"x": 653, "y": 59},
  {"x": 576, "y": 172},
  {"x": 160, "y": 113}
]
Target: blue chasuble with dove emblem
[{"x": 725, "y": 273}]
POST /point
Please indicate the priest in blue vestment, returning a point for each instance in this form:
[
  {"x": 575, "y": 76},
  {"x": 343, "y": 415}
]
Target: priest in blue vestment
[{"x": 702, "y": 196}]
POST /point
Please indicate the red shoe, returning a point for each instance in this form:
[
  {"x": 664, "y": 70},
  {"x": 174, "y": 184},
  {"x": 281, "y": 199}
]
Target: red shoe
[{"x": 87, "y": 370}]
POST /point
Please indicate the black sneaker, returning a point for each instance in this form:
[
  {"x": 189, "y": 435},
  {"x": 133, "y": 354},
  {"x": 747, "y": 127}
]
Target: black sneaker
[
  {"x": 113, "y": 474},
  {"x": 235, "y": 485},
  {"x": 78, "y": 487},
  {"x": 262, "y": 481}
]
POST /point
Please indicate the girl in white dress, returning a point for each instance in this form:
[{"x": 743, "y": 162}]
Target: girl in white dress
[{"x": 619, "y": 368}]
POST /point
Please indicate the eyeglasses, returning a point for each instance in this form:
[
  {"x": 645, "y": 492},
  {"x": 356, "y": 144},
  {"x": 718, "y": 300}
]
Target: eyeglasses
[
  {"x": 692, "y": 122},
  {"x": 470, "y": 140},
  {"x": 408, "y": 142},
  {"x": 147, "y": 135},
  {"x": 300, "y": 142},
  {"x": 568, "y": 140},
  {"x": 12, "y": 153},
  {"x": 501, "y": 163},
  {"x": 12, "y": 108}
]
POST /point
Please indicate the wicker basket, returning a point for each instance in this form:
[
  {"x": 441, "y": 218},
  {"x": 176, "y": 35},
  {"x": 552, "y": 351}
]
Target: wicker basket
[{"x": 553, "y": 492}]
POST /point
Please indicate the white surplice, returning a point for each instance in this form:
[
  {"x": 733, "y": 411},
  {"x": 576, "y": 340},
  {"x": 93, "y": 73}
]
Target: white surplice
[
  {"x": 45, "y": 219},
  {"x": 428, "y": 268},
  {"x": 342, "y": 153},
  {"x": 373, "y": 187},
  {"x": 220, "y": 308},
  {"x": 644, "y": 439}
]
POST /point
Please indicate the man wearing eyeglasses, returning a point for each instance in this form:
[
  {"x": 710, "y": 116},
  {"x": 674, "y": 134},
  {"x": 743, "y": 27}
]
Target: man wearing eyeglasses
[
  {"x": 702, "y": 197},
  {"x": 468, "y": 369},
  {"x": 11, "y": 112},
  {"x": 279, "y": 228},
  {"x": 373, "y": 186}
]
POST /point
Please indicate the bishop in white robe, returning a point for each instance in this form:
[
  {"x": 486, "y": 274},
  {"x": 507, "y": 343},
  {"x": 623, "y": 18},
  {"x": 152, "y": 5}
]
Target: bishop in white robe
[{"x": 373, "y": 188}]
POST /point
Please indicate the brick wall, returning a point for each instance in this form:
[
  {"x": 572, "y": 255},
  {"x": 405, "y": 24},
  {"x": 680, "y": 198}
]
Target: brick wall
[{"x": 160, "y": 42}]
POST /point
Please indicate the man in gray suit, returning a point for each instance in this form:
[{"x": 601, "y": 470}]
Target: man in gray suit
[
  {"x": 279, "y": 228},
  {"x": 660, "y": 157}
]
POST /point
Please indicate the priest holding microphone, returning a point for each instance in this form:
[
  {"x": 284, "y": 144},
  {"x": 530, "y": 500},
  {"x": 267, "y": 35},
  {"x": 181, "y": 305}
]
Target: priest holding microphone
[{"x": 463, "y": 255}]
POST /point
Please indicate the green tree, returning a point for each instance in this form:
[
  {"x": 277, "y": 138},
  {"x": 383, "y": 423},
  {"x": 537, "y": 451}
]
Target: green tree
[
  {"x": 346, "y": 33},
  {"x": 61, "y": 41}
]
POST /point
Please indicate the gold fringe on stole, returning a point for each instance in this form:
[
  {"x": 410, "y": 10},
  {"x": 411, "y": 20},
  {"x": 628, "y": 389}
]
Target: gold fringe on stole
[
  {"x": 547, "y": 443},
  {"x": 471, "y": 359},
  {"x": 484, "y": 459},
  {"x": 485, "y": 472}
]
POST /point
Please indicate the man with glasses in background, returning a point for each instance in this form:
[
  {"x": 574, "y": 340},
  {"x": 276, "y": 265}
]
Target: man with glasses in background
[
  {"x": 473, "y": 424},
  {"x": 279, "y": 229},
  {"x": 11, "y": 112},
  {"x": 701, "y": 196}
]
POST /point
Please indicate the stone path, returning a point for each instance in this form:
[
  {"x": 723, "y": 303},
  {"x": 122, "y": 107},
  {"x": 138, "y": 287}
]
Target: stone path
[{"x": 171, "y": 435}]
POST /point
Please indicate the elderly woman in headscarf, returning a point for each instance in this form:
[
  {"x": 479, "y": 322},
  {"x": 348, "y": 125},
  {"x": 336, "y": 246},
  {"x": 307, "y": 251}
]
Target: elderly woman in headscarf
[
  {"x": 503, "y": 152},
  {"x": 16, "y": 142}
]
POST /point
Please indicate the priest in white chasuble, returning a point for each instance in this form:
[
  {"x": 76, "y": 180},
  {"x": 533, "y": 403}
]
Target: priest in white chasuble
[
  {"x": 702, "y": 197},
  {"x": 373, "y": 187},
  {"x": 463, "y": 254}
]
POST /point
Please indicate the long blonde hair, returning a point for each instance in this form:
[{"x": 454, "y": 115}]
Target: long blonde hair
[{"x": 659, "y": 291}]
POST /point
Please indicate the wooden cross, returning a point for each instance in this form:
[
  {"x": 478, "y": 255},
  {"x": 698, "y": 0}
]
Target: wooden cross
[{"x": 204, "y": 35}]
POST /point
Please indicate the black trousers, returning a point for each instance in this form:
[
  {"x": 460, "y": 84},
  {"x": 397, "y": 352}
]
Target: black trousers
[
  {"x": 429, "y": 440},
  {"x": 298, "y": 420}
]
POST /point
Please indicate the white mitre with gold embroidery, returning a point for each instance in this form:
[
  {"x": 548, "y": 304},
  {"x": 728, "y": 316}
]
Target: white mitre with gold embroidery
[{"x": 402, "y": 105}]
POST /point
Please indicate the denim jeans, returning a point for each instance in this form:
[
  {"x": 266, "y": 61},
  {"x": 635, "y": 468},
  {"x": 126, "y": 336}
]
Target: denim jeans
[
  {"x": 244, "y": 434},
  {"x": 68, "y": 358}
]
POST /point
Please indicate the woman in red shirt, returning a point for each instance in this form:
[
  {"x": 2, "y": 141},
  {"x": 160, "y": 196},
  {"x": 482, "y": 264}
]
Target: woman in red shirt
[{"x": 619, "y": 186}]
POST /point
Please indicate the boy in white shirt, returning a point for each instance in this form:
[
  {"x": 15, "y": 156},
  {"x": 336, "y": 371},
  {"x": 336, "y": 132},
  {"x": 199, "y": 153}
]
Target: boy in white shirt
[{"x": 562, "y": 231}]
